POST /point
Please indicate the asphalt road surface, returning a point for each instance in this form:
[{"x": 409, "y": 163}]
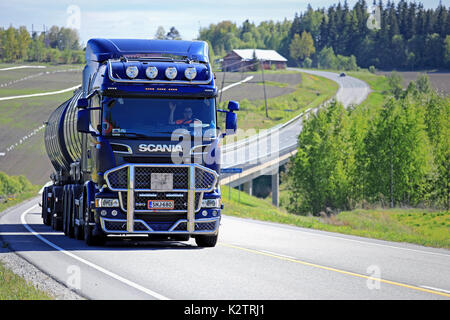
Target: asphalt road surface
[{"x": 252, "y": 260}]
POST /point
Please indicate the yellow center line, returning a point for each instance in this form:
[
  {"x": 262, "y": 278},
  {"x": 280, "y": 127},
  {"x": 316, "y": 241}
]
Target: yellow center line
[{"x": 337, "y": 270}]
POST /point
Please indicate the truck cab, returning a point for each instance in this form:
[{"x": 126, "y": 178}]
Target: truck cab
[{"x": 145, "y": 155}]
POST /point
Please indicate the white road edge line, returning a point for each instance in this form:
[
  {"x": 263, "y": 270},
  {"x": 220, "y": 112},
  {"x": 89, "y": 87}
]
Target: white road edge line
[
  {"x": 23, "y": 67},
  {"x": 39, "y": 94},
  {"x": 98, "y": 268},
  {"x": 236, "y": 84},
  {"x": 436, "y": 289},
  {"x": 346, "y": 239}
]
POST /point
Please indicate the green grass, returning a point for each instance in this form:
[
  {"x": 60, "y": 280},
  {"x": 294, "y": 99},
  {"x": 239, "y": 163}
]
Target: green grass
[
  {"x": 377, "y": 83},
  {"x": 14, "y": 287},
  {"x": 423, "y": 227},
  {"x": 16, "y": 199}
]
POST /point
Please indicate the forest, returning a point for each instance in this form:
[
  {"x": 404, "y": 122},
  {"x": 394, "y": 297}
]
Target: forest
[
  {"x": 408, "y": 36},
  {"x": 392, "y": 154}
]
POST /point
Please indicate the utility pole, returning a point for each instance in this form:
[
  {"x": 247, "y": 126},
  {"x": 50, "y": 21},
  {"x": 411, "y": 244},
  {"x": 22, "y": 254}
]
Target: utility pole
[{"x": 264, "y": 86}]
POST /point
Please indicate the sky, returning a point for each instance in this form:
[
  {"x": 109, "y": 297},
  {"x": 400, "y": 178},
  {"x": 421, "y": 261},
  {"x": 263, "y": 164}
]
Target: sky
[{"x": 141, "y": 18}]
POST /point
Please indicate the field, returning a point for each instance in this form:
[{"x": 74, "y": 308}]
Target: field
[
  {"x": 439, "y": 80},
  {"x": 22, "y": 148}
]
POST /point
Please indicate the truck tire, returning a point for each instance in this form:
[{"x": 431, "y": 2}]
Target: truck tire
[
  {"x": 75, "y": 194},
  {"x": 45, "y": 215},
  {"x": 206, "y": 241},
  {"x": 78, "y": 231},
  {"x": 56, "y": 212},
  {"x": 69, "y": 212},
  {"x": 89, "y": 238},
  {"x": 64, "y": 214}
]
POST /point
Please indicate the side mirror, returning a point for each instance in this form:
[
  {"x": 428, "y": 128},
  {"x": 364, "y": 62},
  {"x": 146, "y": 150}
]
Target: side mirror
[
  {"x": 83, "y": 119},
  {"x": 233, "y": 106},
  {"x": 231, "y": 123},
  {"x": 82, "y": 103}
]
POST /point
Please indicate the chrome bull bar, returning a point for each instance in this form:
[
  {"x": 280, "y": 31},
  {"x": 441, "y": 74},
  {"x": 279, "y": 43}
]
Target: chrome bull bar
[{"x": 190, "y": 187}]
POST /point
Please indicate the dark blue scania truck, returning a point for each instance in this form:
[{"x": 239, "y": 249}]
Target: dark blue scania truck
[{"x": 136, "y": 149}]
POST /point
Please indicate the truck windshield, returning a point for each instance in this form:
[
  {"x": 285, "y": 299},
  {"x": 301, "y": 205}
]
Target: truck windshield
[{"x": 150, "y": 117}]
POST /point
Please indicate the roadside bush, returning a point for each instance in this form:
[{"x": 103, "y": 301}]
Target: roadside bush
[{"x": 10, "y": 185}]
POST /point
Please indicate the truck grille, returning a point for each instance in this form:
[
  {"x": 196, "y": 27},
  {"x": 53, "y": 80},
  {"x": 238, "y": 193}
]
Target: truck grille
[{"x": 205, "y": 179}]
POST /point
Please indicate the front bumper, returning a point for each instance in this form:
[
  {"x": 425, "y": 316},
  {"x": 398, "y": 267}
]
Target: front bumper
[
  {"x": 189, "y": 179},
  {"x": 208, "y": 226}
]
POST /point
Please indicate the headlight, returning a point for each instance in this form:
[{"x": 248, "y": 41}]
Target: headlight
[
  {"x": 190, "y": 73},
  {"x": 106, "y": 203},
  {"x": 132, "y": 72},
  {"x": 171, "y": 73},
  {"x": 151, "y": 72},
  {"x": 211, "y": 203}
]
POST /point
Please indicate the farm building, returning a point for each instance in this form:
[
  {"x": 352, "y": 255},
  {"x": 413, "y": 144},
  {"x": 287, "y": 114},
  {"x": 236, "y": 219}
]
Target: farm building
[{"x": 243, "y": 59}]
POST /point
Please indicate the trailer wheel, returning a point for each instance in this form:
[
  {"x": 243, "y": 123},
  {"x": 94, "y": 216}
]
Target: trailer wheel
[
  {"x": 64, "y": 213},
  {"x": 206, "y": 241},
  {"x": 69, "y": 212}
]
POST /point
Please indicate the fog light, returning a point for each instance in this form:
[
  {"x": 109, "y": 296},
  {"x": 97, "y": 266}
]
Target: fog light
[
  {"x": 204, "y": 213},
  {"x": 214, "y": 213},
  {"x": 103, "y": 212},
  {"x": 114, "y": 213}
]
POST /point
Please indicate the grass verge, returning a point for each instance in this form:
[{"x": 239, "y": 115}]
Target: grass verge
[
  {"x": 418, "y": 226},
  {"x": 13, "y": 287}
]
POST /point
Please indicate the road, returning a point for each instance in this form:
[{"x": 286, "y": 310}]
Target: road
[{"x": 253, "y": 260}]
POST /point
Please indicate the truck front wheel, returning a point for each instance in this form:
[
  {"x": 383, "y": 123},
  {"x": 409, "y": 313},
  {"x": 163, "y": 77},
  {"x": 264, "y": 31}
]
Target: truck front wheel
[
  {"x": 90, "y": 238},
  {"x": 206, "y": 241}
]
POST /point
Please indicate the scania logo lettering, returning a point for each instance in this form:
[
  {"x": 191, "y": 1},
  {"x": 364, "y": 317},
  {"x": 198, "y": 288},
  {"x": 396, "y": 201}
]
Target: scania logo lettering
[{"x": 160, "y": 148}]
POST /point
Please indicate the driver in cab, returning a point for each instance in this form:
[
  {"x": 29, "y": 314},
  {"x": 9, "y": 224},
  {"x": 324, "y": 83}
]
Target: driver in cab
[{"x": 187, "y": 116}]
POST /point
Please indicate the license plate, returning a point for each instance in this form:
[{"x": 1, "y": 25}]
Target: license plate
[
  {"x": 161, "y": 204},
  {"x": 161, "y": 181}
]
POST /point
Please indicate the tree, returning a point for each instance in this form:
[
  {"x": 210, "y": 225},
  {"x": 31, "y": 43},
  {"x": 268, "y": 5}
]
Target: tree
[
  {"x": 399, "y": 154},
  {"x": 447, "y": 50},
  {"x": 395, "y": 85},
  {"x": 326, "y": 59},
  {"x": 301, "y": 48},
  {"x": 173, "y": 34},
  {"x": 160, "y": 33}
]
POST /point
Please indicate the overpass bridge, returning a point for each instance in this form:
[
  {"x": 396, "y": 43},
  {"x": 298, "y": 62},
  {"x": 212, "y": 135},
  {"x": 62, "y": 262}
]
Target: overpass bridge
[{"x": 264, "y": 153}]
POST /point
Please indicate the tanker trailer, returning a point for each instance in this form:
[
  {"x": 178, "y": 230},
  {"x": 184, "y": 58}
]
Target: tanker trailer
[{"x": 136, "y": 150}]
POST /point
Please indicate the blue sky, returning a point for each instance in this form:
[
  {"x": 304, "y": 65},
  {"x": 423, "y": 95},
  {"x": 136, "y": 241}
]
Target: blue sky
[{"x": 140, "y": 18}]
